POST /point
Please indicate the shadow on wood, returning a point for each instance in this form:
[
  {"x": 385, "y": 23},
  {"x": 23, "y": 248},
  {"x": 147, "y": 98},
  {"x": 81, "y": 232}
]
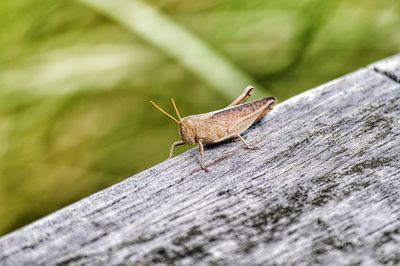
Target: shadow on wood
[{"x": 323, "y": 188}]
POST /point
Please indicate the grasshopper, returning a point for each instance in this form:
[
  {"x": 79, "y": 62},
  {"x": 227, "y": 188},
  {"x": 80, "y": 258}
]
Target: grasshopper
[{"x": 220, "y": 125}]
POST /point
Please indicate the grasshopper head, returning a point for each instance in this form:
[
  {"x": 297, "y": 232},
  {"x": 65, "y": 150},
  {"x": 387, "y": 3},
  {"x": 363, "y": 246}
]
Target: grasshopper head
[{"x": 187, "y": 130}]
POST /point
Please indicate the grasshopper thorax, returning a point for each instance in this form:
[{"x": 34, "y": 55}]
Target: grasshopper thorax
[{"x": 187, "y": 130}]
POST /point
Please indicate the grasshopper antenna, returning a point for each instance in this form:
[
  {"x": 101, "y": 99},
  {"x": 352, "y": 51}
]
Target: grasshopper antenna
[
  {"x": 176, "y": 109},
  {"x": 161, "y": 110}
]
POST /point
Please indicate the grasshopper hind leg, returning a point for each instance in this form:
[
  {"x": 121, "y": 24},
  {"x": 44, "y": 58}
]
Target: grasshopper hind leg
[
  {"x": 248, "y": 91},
  {"x": 245, "y": 143}
]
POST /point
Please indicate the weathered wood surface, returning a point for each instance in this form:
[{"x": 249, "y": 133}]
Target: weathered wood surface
[{"x": 323, "y": 189}]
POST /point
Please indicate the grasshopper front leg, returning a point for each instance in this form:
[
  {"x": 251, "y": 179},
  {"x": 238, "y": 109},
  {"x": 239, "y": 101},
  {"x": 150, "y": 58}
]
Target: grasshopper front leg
[
  {"x": 202, "y": 156},
  {"x": 176, "y": 143}
]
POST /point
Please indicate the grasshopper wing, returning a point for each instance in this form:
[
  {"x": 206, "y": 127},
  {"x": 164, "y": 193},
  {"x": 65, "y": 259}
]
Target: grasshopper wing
[{"x": 239, "y": 118}]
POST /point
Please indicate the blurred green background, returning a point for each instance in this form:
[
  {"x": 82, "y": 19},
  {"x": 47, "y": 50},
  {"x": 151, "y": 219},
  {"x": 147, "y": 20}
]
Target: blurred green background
[{"x": 76, "y": 78}]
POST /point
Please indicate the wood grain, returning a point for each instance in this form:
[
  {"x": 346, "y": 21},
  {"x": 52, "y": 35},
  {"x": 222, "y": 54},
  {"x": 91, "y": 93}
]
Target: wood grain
[{"x": 322, "y": 189}]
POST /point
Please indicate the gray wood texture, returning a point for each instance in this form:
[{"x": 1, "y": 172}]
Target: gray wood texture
[{"x": 322, "y": 189}]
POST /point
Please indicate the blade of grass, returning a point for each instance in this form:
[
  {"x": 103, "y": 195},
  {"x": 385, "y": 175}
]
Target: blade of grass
[{"x": 176, "y": 41}]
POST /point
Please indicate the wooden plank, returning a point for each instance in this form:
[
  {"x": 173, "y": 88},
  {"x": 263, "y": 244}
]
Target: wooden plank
[{"x": 323, "y": 188}]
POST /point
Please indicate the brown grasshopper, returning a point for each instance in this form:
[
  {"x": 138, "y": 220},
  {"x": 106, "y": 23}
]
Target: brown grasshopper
[{"x": 222, "y": 124}]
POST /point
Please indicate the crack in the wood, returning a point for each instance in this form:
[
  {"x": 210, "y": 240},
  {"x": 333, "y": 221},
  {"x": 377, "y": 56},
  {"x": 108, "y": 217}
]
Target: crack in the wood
[{"x": 387, "y": 74}]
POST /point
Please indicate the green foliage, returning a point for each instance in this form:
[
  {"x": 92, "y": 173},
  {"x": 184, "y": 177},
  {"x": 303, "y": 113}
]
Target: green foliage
[{"x": 76, "y": 78}]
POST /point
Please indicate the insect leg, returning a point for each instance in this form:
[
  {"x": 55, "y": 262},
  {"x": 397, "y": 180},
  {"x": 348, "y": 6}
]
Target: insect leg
[
  {"x": 202, "y": 156},
  {"x": 245, "y": 143},
  {"x": 176, "y": 143},
  {"x": 248, "y": 91},
  {"x": 264, "y": 113}
]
